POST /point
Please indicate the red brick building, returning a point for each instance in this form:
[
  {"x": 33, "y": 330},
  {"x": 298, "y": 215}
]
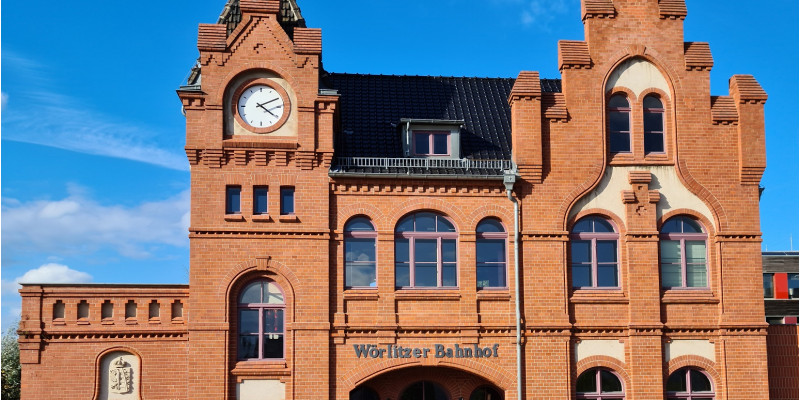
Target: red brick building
[{"x": 391, "y": 237}]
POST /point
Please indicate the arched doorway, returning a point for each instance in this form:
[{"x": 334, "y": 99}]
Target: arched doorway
[{"x": 427, "y": 383}]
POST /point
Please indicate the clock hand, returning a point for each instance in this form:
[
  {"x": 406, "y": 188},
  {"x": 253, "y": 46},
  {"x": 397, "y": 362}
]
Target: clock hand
[{"x": 265, "y": 109}]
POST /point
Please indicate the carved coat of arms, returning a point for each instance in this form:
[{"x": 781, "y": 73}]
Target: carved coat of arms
[{"x": 120, "y": 377}]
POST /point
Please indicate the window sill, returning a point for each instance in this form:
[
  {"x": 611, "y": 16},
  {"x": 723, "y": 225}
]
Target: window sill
[
  {"x": 688, "y": 296},
  {"x": 59, "y": 321},
  {"x": 598, "y": 296},
  {"x": 261, "y": 218},
  {"x": 288, "y": 218},
  {"x": 494, "y": 294},
  {"x": 155, "y": 320},
  {"x": 107, "y": 322},
  {"x": 428, "y": 294},
  {"x": 83, "y": 322},
  {"x": 361, "y": 294},
  {"x": 261, "y": 367},
  {"x": 234, "y": 217}
]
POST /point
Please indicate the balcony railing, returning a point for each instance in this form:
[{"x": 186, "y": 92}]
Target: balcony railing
[{"x": 392, "y": 164}]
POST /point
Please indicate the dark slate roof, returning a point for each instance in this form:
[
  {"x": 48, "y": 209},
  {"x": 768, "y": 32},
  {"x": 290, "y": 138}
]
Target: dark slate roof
[
  {"x": 371, "y": 107},
  {"x": 289, "y": 15},
  {"x": 778, "y": 308}
]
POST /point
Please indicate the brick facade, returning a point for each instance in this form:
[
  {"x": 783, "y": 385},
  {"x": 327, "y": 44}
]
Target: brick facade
[{"x": 713, "y": 158}]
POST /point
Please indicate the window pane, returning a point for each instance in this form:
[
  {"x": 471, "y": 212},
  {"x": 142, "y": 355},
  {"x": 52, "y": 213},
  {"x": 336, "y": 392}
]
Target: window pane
[
  {"x": 252, "y": 293},
  {"x": 425, "y": 275},
  {"x": 448, "y": 250},
  {"x": 619, "y": 121},
  {"x": 401, "y": 276},
  {"x": 490, "y": 225},
  {"x": 401, "y": 252},
  {"x": 248, "y": 321},
  {"x": 425, "y": 222},
  {"x": 273, "y": 346},
  {"x": 696, "y": 251},
  {"x": 652, "y": 102},
  {"x": 425, "y": 250},
  {"x": 359, "y": 249},
  {"x": 232, "y": 199},
  {"x": 769, "y": 291},
  {"x": 273, "y": 321},
  {"x": 609, "y": 382},
  {"x": 677, "y": 381},
  {"x": 584, "y": 225},
  {"x": 620, "y": 142},
  {"x": 653, "y": 122},
  {"x": 359, "y": 224},
  {"x": 699, "y": 381},
  {"x": 607, "y": 275},
  {"x": 581, "y": 275},
  {"x": 440, "y": 144},
  {"x": 259, "y": 200},
  {"x": 690, "y": 225},
  {"x": 491, "y": 250},
  {"x": 273, "y": 294},
  {"x": 671, "y": 275},
  {"x": 696, "y": 275},
  {"x": 449, "y": 275},
  {"x": 673, "y": 225},
  {"x": 670, "y": 251},
  {"x": 287, "y": 200},
  {"x": 248, "y": 347},
  {"x": 581, "y": 251},
  {"x": 406, "y": 224},
  {"x": 654, "y": 143},
  {"x": 491, "y": 275},
  {"x": 360, "y": 274},
  {"x": 421, "y": 143},
  {"x": 443, "y": 225},
  {"x": 587, "y": 382},
  {"x": 793, "y": 286},
  {"x": 601, "y": 225},
  {"x": 618, "y": 100},
  {"x": 606, "y": 251}
]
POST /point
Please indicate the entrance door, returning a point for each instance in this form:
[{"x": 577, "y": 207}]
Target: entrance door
[{"x": 424, "y": 390}]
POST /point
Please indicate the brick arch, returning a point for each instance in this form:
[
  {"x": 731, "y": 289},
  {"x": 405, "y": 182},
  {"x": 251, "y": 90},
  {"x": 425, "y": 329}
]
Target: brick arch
[
  {"x": 362, "y": 373},
  {"x": 607, "y": 362},
  {"x": 99, "y": 359},
  {"x": 709, "y": 225},
  {"x": 235, "y": 276},
  {"x": 431, "y": 204},
  {"x": 218, "y": 94},
  {"x": 375, "y": 215},
  {"x": 616, "y": 219},
  {"x": 504, "y": 214},
  {"x": 633, "y": 98},
  {"x": 701, "y": 363}
]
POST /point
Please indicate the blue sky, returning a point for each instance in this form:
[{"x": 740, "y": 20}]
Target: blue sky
[{"x": 94, "y": 179}]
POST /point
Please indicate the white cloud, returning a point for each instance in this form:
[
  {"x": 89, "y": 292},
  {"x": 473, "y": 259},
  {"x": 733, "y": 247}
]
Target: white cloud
[
  {"x": 80, "y": 225},
  {"x": 541, "y": 13},
  {"x": 3, "y": 100},
  {"x": 54, "y": 273},
  {"x": 48, "y": 118}
]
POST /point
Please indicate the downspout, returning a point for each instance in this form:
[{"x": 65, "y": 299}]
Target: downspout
[{"x": 509, "y": 177}]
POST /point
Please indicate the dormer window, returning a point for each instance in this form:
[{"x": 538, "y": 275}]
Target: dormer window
[{"x": 432, "y": 138}]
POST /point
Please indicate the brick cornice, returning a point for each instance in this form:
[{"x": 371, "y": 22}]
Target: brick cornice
[
  {"x": 697, "y": 56},
  {"x": 672, "y": 9},
  {"x": 597, "y": 9},
  {"x": 573, "y": 54}
]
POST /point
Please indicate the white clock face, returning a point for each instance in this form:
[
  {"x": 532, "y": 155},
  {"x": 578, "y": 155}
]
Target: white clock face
[{"x": 260, "y": 106}]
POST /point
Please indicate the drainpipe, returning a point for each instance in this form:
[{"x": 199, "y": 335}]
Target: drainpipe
[{"x": 509, "y": 177}]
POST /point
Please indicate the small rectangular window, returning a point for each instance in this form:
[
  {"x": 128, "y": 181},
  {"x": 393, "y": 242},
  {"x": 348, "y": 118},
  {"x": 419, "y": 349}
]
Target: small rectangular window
[
  {"x": 287, "y": 200},
  {"x": 260, "y": 200},
  {"x": 793, "y": 286},
  {"x": 431, "y": 143},
  {"x": 233, "y": 196},
  {"x": 769, "y": 286}
]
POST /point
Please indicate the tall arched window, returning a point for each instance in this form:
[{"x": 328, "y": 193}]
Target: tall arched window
[
  {"x": 683, "y": 254},
  {"x": 485, "y": 393},
  {"x": 425, "y": 251},
  {"x": 359, "y": 253},
  {"x": 261, "y": 321},
  {"x": 424, "y": 390},
  {"x": 593, "y": 248},
  {"x": 653, "y": 125},
  {"x": 689, "y": 384},
  {"x": 619, "y": 124},
  {"x": 490, "y": 252},
  {"x": 599, "y": 384}
]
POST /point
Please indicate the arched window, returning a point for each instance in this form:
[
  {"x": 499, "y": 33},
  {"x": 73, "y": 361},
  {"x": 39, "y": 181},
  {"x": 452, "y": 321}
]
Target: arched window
[
  {"x": 490, "y": 252},
  {"x": 359, "y": 253},
  {"x": 593, "y": 247},
  {"x": 619, "y": 124},
  {"x": 653, "y": 125},
  {"x": 485, "y": 393},
  {"x": 364, "y": 393},
  {"x": 424, "y": 390},
  {"x": 683, "y": 254},
  {"x": 599, "y": 384},
  {"x": 425, "y": 251},
  {"x": 261, "y": 316},
  {"x": 689, "y": 384}
]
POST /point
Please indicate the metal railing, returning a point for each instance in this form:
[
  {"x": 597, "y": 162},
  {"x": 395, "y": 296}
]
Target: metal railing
[{"x": 426, "y": 163}]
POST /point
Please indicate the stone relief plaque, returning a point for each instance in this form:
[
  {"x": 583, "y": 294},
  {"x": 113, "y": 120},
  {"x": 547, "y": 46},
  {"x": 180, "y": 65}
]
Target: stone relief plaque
[{"x": 120, "y": 377}]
